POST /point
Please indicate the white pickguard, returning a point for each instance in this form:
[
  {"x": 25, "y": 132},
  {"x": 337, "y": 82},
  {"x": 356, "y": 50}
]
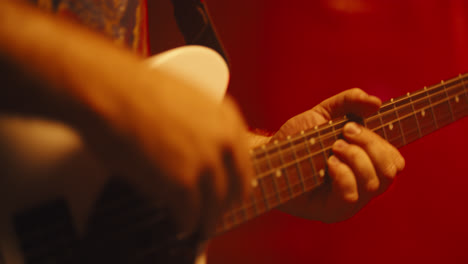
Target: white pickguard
[{"x": 43, "y": 160}]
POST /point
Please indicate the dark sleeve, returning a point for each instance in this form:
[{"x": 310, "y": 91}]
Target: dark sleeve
[{"x": 195, "y": 25}]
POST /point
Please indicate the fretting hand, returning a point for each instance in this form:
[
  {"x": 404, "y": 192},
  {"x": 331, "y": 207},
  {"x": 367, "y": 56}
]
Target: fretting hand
[{"x": 362, "y": 167}]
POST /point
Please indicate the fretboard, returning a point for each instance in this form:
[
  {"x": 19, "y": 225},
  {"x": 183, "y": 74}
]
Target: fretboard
[{"x": 288, "y": 168}]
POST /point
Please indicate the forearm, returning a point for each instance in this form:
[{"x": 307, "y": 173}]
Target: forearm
[{"x": 55, "y": 68}]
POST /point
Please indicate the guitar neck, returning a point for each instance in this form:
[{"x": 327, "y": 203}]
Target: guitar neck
[{"x": 288, "y": 168}]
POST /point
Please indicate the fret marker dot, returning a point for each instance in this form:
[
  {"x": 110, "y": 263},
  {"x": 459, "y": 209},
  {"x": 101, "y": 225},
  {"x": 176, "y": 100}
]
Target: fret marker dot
[
  {"x": 442, "y": 82},
  {"x": 407, "y": 94},
  {"x": 457, "y": 99},
  {"x": 278, "y": 173},
  {"x": 322, "y": 173},
  {"x": 390, "y": 126},
  {"x": 312, "y": 141},
  {"x": 254, "y": 183},
  {"x": 289, "y": 137},
  {"x": 425, "y": 87},
  {"x": 423, "y": 113},
  {"x": 330, "y": 122},
  {"x": 391, "y": 100},
  {"x": 315, "y": 127},
  {"x": 276, "y": 142},
  {"x": 302, "y": 132}
]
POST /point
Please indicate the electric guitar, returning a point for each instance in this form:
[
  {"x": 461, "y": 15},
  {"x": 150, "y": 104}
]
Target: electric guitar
[{"x": 59, "y": 205}]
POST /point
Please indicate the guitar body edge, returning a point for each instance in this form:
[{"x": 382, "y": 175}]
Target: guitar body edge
[{"x": 44, "y": 161}]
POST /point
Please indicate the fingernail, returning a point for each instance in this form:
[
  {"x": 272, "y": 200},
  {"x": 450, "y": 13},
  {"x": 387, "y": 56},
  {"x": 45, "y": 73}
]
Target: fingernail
[
  {"x": 333, "y": 160},
  {"x": 351, "y": 197},
  {"x": 339, "y": 145},
  {"x": 352, "y": 129}
]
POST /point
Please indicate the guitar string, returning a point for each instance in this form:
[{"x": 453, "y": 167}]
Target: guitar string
[
  {"x": 232, "y": 214},
  {"x": 245, "y": 206},
  {"x": 303, "y": 158},
  {"x": 288, "y": 189},
  {"x": 275, "y": 145},
  {"x": 450, "y": 82},
  {"x": 338, "y": 132},
  {"x": 378, "y": 114},
  {"x": 305, "y": 143}
]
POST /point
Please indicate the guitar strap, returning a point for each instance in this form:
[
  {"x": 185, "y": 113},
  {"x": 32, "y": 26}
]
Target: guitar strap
[{"x": 195, "y": 25}]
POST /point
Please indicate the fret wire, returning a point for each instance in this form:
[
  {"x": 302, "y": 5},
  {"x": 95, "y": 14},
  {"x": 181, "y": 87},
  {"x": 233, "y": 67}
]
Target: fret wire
[
  {"x": 412, "y": 102},
  {"x": 286, "y": 176},
  {"x": 308, "y": 133},
  {"x": 286, "y": 189},
  {"x": 415, "y": 117},
  {"x": 375, "y": 129},
  {"x": 234, "y": 211},
  {"x": 399, "y": 123},
  {"x": 382, "y": 126},
  {"x": 334, "y": 133},
  {"x": 298, "y": 168},
  {"x": 426, "y": 90},
  {"x": 383, "y": 129},
  {"x": 433, "y": 87},
  {"x": 432, "y": 110},
  {"x": 450, "y": 105},
  {"x": 323, "y": 149},
  {"x": 275, "y": 184},
  {"x": 310, "y": 159},
  {"x": 237, "y": 209},
  {"x": 254, "y": 200},
  {"x": 267, "y": 205},
  {"x": 465, "y": 92},
  {"x": 372, "y": 117},
  {"x": 464, "y": 88},
  {"x": 262, "y": 188}
]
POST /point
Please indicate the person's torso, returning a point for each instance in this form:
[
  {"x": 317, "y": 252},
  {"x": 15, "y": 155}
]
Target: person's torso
[{"x": 125, "y": 21}]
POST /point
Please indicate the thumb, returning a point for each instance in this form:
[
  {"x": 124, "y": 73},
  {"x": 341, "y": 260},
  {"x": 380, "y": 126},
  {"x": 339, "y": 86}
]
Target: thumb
[{"x": 352, "y": 101}]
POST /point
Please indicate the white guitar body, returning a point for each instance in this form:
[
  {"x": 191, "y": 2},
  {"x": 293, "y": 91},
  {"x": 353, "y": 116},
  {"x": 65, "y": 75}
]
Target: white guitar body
[{"x": 42, "y": 161}]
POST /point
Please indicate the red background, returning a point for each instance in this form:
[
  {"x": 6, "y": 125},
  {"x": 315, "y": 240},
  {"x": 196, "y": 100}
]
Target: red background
[{"x": 289, "y": 55}]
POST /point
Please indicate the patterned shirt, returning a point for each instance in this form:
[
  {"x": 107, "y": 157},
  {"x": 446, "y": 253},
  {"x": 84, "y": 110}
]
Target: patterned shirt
[{"x": 125, "y": 21}]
